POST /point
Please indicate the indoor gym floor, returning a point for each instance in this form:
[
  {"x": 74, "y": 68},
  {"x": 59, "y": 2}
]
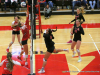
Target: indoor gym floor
[{"x": 61, "y": 63}]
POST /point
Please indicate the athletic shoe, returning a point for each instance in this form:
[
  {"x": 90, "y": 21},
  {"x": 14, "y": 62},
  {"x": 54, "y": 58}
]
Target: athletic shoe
[
  {"x": 19, "y": 58},
  {"x": 41, "y": 71},
  {"x": 7, "y": 50},
  {"x": 69, "y": 41},
  {"x": 79, "y": 60},
  {"x": 74, "y": 54}
]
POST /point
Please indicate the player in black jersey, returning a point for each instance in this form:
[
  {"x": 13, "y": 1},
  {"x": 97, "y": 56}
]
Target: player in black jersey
[
  {"x": 77, "y": 31},
  {"x": 79, "y": 15},
  {"x": 48, "y": 36}
]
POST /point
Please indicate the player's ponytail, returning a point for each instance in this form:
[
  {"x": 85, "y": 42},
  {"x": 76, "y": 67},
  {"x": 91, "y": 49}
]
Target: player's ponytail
[
  {"x": 81, "y": 10},
  {"x": 10, "y": 63},
  {"x": 20, "y": 18}
]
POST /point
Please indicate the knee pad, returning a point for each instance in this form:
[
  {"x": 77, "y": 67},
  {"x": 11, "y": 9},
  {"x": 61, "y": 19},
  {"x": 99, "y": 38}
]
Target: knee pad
[
  {"x": 11, "y": 42},
  {"x": 26, "y": 56},
  {"x": 78, "y": 50},
  {"x": 74, "y": 52},
  {"x": 44, "y": 59},
  {"x": 20, "y": 42}
]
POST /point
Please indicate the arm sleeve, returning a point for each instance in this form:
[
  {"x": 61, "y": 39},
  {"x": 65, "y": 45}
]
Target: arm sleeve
[
  {"x": 82, "y": 31},
  {"x": 73, "y": 20},
  {"x": 83, "y": 19},
  {"x": 2, "y": 63},
  {"x": 16, "y": 63}
]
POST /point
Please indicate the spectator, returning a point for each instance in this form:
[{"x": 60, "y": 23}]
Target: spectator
[
  {"x": 51, "y": 3},
  {"x": 14, "y": 4},
  {"x": 42, "y": 3},
  {"x": 98, "y": 4},
  {"x": 74, "y": 2},
  {"x": 47, "y": 12},
  {"x": 85, "y": 3},
  {"x": 6, "y": 3},
  {"x": 92, "y": 4}
]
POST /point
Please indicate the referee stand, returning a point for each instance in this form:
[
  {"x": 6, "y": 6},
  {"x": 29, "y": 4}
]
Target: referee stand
[{"x": 38, "y": 20}]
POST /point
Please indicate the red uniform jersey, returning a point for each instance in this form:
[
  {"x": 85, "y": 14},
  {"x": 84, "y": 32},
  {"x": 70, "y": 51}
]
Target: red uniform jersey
[
  {"x": 18, "y": 28},
  {"x": 5, "y": 70},
  {"x": 25, "y": 32},
  {"x": 5, "y": 62}
]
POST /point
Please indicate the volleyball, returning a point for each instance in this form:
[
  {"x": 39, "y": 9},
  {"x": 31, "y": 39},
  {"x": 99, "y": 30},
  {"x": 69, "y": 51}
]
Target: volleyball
[{"x": 23, "y": 4}]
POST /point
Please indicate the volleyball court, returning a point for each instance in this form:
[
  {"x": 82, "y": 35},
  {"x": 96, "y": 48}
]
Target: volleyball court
[{"x": 57, "y": 63}]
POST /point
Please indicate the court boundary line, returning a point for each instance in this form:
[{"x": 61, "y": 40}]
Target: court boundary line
[
  {"x": 74, "y": 66},
  {"x": 94, "y": 43}
]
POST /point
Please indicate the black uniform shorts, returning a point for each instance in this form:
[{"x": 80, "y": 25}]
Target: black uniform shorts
[
  {"x": 51, "y": 49},
  {"x": 76, "y": 40},
  {"x": 24, "y": 42},
  {"x": 16, "y": 32}
]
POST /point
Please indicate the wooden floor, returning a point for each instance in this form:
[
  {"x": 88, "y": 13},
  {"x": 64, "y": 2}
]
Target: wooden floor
[{"x": 90, "y": 41}]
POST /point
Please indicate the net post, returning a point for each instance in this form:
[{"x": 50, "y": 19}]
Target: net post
[
  {"x": 34, "y": 21},
  {"x": 32, "y": 38}
]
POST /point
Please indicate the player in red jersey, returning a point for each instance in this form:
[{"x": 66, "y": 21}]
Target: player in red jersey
[
  {"x": 8, "y": 64},
  {"x": 25, "y": 32},
  {"x": 15, "y": 30}
]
